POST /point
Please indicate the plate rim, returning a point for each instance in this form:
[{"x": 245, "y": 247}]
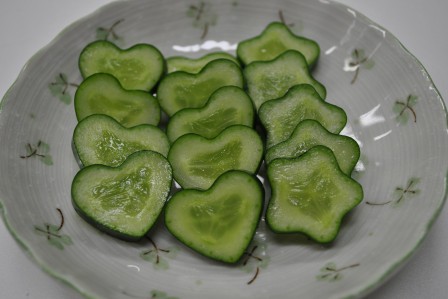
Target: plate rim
[{"x": 367, "y": 288}]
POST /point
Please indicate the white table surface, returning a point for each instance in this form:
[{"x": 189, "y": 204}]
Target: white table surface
[{"x": 422, "y": 26}]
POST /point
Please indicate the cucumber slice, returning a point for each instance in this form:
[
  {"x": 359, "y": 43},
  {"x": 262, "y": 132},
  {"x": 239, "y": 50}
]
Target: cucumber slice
[
  {"x": 310, "y": 195},
  {"x": 229, "y": 105},
  {"x": 275, "y": 39},
  {"x": 267, "y": 80},
  {"x": 197, "y": 161},
  {"x": 103, "y": 94},
  {"x": 280, "y": 116},
  {"x": 194, "y": 65},
  {"x": 139, "y": 67},
  {"x": 99, "y": 139},
  {"x": 123, "y": 201},
  {"x": 310, "y": 133},
  {"x": 221, "y": 221},
  {"x": 181, "y": 90}
]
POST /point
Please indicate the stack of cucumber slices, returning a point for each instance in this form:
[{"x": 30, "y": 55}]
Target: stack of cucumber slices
[{"x": 210, "y": 145}]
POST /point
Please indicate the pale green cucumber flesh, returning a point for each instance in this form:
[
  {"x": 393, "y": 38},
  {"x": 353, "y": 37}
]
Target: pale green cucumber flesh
[
  {"x": 275, "y": 40},
  {"x": 198, "y": 161},
  {"x": 99, "y": 139},
  {"x": 310, "y": 133},
  {"x": 310, "y": 195},
  {"x": 181, "y": 90},
  {"x": 268, "y": 80},
  {"x": 195, "y": 65},
  {"x": 103, "y": 94},
  {"x": 123, "y": 201},
  {"x": 227, "y": 106},
  {"x": 221, "y": 221},
  {"x": 280, "y": 116},
  {"x": 138, "y": 68}
]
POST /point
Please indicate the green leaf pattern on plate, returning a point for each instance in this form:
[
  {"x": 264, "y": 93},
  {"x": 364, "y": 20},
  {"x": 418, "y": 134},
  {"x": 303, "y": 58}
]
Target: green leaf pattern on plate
[
  {"x": 330, "y": 272},
  {"x": 158, "y": 256},
  {"x": 203, "y": 16},
  {"x": 255, "y": 259},
  {"x": 60, "y": 88},
  {"x": 359, "y": 60},
  {"x": 52, "y": 232},
  {"x": 41, "y": 150},
  {"x": 109, "y": 33},
  {"x": 405, "y": 109}
]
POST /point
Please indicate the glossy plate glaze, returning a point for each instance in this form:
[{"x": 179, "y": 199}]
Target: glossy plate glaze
[{"x": 394, "y": 112}]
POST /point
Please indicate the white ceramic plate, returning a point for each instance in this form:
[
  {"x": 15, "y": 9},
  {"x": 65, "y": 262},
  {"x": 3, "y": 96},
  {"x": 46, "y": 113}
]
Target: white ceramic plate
[{"x": 394, "y": 111}]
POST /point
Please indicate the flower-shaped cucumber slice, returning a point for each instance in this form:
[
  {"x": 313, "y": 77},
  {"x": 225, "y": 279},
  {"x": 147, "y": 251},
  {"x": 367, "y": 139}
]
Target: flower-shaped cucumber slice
[
  {"x": 310, "y": 133},
  {"x": 103, "y": 94},
  {"x": 275, "y": 39},
  {"x": 227, "y": 106},
  {"x": 197, "y": 161},
  {"x": 195, "y": 65},
  {"x": 280, "y": 116},
  {"x": 267, "y": 80},
  {"x": 221, "y": 221},
  {"x": 99, "y": 139},
  {"x": 123, "y": 201},
  {"x": 139, "y": 67},
  {"x": 310, "y": 195},
  {"x": 181, "y": 90}
]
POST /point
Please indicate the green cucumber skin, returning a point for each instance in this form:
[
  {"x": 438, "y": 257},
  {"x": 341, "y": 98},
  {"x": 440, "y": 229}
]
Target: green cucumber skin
[
  {"x": 153, "y": 138},
  {"x": 186, "y": 116},
  {"x": 177, "y": 156},
  {"x": 286, "y": 149},
  {"x": 264, "y": 82},
  {"x": 179, "y": 90},
  {"x": 195, "y": 65},
  {"x": 271, "y": 223},
  {"x": 185, "y": 193},
  {"x": 276, "y": 29},
  {"x": 147, "y": 109},
  {"x": 296, "y": 95},
  {"x": 159, "y": 70},
  {"x": 105, "y": 228}
]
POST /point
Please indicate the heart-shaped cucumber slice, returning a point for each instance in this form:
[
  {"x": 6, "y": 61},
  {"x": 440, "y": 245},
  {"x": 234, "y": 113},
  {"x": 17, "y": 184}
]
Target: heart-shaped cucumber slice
[
  {"x": 103, "y": 94},
  {"x": 219, "y": 222},
  {"x": 99, "y": 139},
  {"x": 181, "y": 90},
  {"x": 197, "y": 161},
  {"x": 195, "y": 65},
  {"x": 123, "y": 201},
  {"x": 275, "y": 39},
  {"x": 310, "y": 194},
  {"x": 281, "y": 116},
  {"x": 227, "y": 106},
  {"x": 310, "y": 133},
  {"x": 139, "y": 67}
]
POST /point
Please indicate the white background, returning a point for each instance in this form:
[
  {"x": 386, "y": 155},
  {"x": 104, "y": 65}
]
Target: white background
[{"x": 422, "y": 26}]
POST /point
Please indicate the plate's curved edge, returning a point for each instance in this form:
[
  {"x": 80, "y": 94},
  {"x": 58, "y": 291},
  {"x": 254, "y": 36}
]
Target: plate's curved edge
[
  {"x": 36, "y": 55},
  {"x": 29, "y": 253},
  {"x": 3, "y": 211},
  {"x": 394, "y": 268}
]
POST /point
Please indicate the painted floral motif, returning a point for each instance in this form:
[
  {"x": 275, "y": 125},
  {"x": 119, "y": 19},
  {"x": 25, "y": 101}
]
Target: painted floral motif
[
  {"x": 255, "y": 260},
  {"x": 53, "y": 232},
  {"x": 359, "y": 60},
  {"x": 330, "y": 272},
  {"x": 203, "y": 16},
  {"x": 405, "y": 109},
  {"x": 60, "y": 88},
  {"x": 400, "y": 193},
  {"x": 41, "y": 150},
  {"x": 155, "y": 294},
  {"x": 109, "y": 33},
  {"x": 158, "y": 256}
]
